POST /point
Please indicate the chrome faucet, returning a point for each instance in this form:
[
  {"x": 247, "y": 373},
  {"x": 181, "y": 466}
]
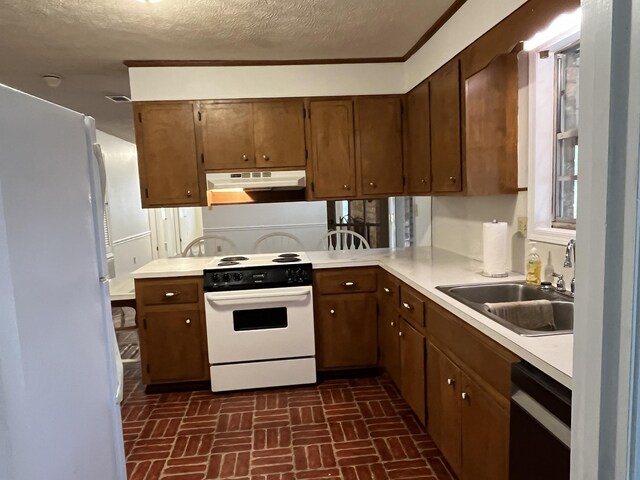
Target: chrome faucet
[{"x": 568, "y": 263}]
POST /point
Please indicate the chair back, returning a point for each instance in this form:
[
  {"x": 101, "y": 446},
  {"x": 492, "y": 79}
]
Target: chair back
[
  {"x": 209, "y": 246},
  {"x": 343, "y": 240},
  {"x": 278, "y": 242}
]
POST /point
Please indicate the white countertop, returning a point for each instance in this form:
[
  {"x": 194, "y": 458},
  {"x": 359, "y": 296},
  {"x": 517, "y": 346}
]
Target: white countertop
[
  {"x": 121, "y": 288},
  {"x": 422, "y": 268}
]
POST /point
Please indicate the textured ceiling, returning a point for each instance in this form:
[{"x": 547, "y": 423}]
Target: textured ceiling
[{"x": 86, "y": 41}]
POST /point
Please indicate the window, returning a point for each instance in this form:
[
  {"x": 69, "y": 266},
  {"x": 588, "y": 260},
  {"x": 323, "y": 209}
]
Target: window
[
  {"x": 565, "y": 192},
  {"x": 550, "y": 108}
]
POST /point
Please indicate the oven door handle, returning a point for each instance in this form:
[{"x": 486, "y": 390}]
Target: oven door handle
[{"x": 292, "y": 294}]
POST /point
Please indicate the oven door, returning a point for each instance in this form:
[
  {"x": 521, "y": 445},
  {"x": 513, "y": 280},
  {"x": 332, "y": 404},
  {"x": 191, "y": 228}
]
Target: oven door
[{"x": 250, "y": 325}]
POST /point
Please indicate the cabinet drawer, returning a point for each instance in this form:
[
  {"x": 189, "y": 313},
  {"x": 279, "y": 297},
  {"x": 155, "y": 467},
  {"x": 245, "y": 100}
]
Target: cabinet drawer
[
  {"x": 488, "y": 360},
  {"x": 412, "y": 305},
  {"x": 151, "y": 292},
  {"x": 388, "y": 291},
  {"x": 345, "y": 280}
]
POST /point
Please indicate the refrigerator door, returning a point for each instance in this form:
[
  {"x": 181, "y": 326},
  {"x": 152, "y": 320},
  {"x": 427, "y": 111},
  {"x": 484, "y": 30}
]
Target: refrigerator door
[{"x": 57, "y": 362}]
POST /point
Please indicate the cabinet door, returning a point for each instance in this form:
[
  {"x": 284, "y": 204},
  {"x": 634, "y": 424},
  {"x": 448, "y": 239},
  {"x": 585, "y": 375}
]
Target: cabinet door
[
  {"x": 380, "y": 145},
  {"x": 412, "y": 366},
  {"x": 485, "y": 434},
  {"x": 332, "y": 149},
  {"x": 444, "y": 384},
  {"x": 227, "y": 136},
  {"x": 279, "y": 134},
  {"x": 418, "y": 153},
  {"x": 172, "y": 346},
  {"x": 390, "y": 343},
  {"x": 347, "y": 331},
  {"x": 446, "y": 158},
  {"x": 170, "y": 173}
]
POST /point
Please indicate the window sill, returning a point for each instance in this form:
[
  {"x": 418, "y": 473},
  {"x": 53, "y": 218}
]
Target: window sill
[{"x": 557, "y": 236}]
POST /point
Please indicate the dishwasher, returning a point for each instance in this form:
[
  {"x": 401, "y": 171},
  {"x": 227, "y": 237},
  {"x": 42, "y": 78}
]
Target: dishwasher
[{"x": 540, "y": 426}]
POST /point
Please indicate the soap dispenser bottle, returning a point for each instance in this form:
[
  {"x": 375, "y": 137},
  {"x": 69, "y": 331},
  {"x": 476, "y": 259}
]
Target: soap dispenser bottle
[{"x": 534, "y": 266}]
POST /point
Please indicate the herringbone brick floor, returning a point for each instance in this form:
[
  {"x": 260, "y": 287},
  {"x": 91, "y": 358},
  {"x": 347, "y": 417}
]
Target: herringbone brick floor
[{"x": 339, "y": 429}]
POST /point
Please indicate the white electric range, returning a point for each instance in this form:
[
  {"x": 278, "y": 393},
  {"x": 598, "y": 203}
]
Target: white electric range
[{"x": 259, "y": 316}]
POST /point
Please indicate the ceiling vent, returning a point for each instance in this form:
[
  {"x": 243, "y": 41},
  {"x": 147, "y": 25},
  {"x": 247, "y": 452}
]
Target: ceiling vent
[{"x": 119, "y": 98}]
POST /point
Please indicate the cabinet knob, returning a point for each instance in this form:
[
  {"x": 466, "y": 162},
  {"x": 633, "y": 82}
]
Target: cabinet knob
[
  {"x": 332, "y": 311},
  {"x": 407, "y": 306},
  {"x": 387, "y": 291},
  {"x": 346, "y": 186},
  {"x": 423, "y": 181},
  {"x": 188, "y": 321},
  {"x": 265, "y": 158},
  {"x": 451, "y": 381},
  {"x": 188, "y": 193},
  {"x": 245, "y": 158},
  {"x": 393, "y": 323},
  {"x": 372, "y": 184},
  {"x": 399, "y": 334},
  {"x": 452, "y": 179},
  {"x": 465, "y": 396}
]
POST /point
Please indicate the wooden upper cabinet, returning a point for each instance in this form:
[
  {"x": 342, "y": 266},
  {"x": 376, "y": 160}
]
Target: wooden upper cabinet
[
  {"x": 170, "y": 170},
  {"x": 332, "y": 151},
  {"x": 227, "y": 135},
  {"x": 446, "y": 158},
  {"x": 379, "y": 130},
  {"x": 491, "y": 128},
  {"x": 418, "y": 152},
  {"x": 279, "y": 134}
]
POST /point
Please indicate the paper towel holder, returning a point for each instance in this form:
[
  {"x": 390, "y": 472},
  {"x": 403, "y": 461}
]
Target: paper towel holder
[{"x": 494, "y": 275}]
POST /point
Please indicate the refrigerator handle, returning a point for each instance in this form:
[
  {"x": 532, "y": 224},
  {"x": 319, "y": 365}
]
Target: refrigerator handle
[{"x": 97, "y": 151}]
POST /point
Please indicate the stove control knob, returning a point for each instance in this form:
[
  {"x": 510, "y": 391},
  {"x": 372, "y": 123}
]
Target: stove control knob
[
  {"x": 237, "y": 277},
  {"x": 300, "y": 275},
  {"x": 226, "y": 277},
  {"x": 290, "y": 274},
  {"x": 215, "y": 277}
]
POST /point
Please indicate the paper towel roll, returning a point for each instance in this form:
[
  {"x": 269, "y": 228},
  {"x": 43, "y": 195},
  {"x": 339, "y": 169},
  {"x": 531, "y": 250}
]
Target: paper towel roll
[{"x": 494, "y": 249}]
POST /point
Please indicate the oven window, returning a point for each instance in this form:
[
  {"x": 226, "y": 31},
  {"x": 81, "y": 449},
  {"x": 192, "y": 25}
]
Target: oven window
[{"x": 260, "y": 319}]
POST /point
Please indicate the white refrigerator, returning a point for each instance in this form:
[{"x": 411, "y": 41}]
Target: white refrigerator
[{"x": 59, "y": 373}]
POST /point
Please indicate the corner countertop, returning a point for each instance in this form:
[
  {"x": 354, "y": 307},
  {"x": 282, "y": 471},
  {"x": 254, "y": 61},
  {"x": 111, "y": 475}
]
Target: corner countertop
[{"x": 423, "y": 268}]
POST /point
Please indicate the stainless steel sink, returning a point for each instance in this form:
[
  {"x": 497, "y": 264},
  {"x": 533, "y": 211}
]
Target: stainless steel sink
[{"x": 475, "y": 296}]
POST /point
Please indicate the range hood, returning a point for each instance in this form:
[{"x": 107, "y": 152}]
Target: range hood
[{"x": 256, "y": 181}]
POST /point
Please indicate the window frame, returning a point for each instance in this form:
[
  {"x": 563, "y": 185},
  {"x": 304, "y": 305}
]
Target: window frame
[{"x": 542, "y": 140}]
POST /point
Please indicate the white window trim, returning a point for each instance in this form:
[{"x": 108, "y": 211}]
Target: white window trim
[{"x": 541, "y": 141}]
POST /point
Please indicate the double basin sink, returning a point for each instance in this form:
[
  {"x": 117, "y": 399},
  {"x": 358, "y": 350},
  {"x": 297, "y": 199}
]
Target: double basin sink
[{"x": 476, "y": 296}]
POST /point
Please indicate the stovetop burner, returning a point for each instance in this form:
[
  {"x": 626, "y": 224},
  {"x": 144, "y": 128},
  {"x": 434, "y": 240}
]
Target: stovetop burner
[
  {"x": 289, "y": 255},
  {"x": 233, "y": 259},
  {"x": 228, "y": 263},
  {"x": 280, "y": 259}
]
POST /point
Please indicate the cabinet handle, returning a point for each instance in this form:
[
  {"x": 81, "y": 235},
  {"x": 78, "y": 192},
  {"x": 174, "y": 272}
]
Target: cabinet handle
[
  {"x": 265, "y": 158},
  {"x": 171, "y": 294},
  {"x": 332, "y": 311},
  {"x": 346, "y": 186},
  {"x": 188, "y": 193},
  {"x": 188, "y": 321},
  {"x": 465, "y": 396},
  {"x": 245, "y": 158},
  {"x": 372, "y": 184},
  {"x": 399, "y": 334},
  {"x": 387, "y": 291},
  {"x": 407, "y": 306},
  {"x": 349, "y": 284},
  {"x": 451, "y": 381},
  {"x": 452, "y": 179}
]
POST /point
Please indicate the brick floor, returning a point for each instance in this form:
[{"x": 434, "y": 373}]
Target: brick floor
[{"x": 357, "y": 429}]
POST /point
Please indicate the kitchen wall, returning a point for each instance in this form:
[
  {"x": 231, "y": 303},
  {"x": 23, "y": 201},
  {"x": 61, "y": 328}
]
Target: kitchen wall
[
  {"x": 457, "y": 226},
  {"x": 130, "y": 233},
  {"x": 244, "y": 224}
]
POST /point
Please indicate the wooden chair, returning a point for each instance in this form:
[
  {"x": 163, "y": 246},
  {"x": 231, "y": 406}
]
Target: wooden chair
[
  {"x": 343, "y": 240},
  {"x": 209, "y": 246},
  {"x": 278, "y": 242}
]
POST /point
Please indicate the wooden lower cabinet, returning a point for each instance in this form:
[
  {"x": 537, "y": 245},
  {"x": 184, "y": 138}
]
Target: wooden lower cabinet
[
  {"x": 412, "y": 362},
  {"x": 172, "y": 330},
  {"x": 389, "y": 343},
  {"x": 347, "y": 331}
]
